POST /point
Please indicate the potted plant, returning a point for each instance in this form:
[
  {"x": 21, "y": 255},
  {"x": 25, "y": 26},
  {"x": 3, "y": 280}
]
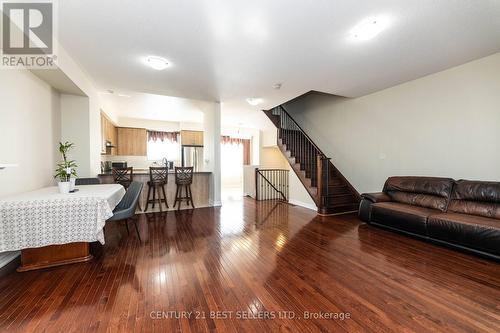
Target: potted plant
[{"x": 65, "y": 169}]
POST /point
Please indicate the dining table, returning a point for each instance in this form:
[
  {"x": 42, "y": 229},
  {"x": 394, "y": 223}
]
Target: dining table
[{"x": 52, "y": 229}]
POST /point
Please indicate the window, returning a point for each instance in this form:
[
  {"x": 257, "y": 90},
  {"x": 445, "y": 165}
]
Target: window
[
  {"x": 158, "y": 150},
  {"x": 163, "y": 145}
]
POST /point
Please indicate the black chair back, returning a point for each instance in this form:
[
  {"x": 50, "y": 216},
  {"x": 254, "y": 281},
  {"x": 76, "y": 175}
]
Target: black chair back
[
  {"x": 87, "y": 181},
  {"x": 183, "y": 175},
  {"x": 127, "y": 206},
  {"x": 158, "y": 175}
]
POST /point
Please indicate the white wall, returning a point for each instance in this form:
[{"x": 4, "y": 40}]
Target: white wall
[
  {"x": 211, "y": 149},
  {"x": 445, "y": 124},
  {"x": 84, "y": 82},
  {"x": 75, "y": 127},
  {"x": 29, "y": 134},
  {"x": 30, "y": 131}
]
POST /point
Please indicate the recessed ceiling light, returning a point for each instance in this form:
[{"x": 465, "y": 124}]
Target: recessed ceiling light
[
  {"x": 107, "y": 92},
  {"x": 369, "y": 28},
  {"x": 277, "y": 86},
  {"x": 124, "y": 95},
  {"x": 157, "y": 63},
  {"x": 254, "y": 101}
]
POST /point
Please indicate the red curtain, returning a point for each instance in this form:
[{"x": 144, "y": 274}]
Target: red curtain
[
  {"x": 225, "y": 139},
  {"x": 162, "y": 136},
  {"x": 246, "y": 152}
]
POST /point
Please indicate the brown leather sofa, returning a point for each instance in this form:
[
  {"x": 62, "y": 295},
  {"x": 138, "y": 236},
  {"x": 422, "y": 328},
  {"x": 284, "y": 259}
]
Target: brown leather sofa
[{"x": 463, "y": 214}]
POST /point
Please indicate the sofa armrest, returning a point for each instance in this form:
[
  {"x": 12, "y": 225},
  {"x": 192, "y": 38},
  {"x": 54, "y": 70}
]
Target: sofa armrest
[
  {"x": 367, "y": 200},
  {"x": 376, "y": 197}
]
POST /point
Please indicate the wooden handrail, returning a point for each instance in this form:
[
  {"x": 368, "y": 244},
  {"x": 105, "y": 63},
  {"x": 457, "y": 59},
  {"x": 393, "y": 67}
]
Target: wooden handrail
[
  {"x": 313, "y": 168},
  {"x": 259, "y": 173},
  {"x": 301, "y": 130}
]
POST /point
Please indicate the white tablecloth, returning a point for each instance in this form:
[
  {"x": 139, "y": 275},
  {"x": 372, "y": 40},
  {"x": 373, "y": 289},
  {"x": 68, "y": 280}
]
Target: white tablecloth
[{"x": 46, "y": 217}]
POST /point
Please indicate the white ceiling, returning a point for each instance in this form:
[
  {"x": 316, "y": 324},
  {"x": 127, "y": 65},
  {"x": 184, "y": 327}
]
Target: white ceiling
[{"x": 234, "y": 49}]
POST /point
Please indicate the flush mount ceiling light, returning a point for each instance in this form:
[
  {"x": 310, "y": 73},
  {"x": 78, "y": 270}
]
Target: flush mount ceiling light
[
  {"x": 157, "y": 63},
  {"x": 369, "y": 28},
  {"x": 254, "y": 101}
]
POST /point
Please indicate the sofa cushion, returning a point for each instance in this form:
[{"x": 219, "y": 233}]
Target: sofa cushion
[
  {"x": 476, "y": 232},
  {"x": 402, "y": 216},
  {"x": 476, "y": 198},
  {"x": 429, "y": 192}
]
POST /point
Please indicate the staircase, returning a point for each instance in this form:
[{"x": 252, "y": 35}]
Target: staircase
[{"x": 329, "y": 189}]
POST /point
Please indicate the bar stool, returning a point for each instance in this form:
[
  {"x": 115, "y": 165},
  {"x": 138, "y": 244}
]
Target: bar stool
[
  {"x": 183, "y": 179},
  {"x": 158, "y": 179},
  {"x": 124, "y": 177}
]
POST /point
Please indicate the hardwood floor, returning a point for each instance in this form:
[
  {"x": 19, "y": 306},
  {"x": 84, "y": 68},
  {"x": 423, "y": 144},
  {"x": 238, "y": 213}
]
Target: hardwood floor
[{"x": 250, "y": 260}]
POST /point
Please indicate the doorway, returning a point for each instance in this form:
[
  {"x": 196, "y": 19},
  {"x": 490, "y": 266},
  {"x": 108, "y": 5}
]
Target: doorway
[{"x": 235, "y": 154}]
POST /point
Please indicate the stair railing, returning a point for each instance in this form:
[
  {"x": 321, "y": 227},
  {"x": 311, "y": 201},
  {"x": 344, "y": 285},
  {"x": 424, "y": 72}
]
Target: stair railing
[
  {"x": 305, "y": 151},
  {"x": 271, "y": 184},
  {"x": 323, "y": 163}
]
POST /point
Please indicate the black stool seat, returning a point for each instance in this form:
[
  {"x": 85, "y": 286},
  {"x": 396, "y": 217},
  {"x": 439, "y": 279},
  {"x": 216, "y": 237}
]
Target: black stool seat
[
  {"x": 183, "y": 180},
  {"x": 158, "y": 179}
]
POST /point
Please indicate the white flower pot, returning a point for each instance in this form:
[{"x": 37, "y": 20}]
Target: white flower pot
[
  {"x": 64, "y": 187},
  {"x": 72, "y": 184}
]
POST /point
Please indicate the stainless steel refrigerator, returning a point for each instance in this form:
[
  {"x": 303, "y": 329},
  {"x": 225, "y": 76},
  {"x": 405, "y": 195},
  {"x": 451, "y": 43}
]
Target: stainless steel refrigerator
[{"x": 192, "y": 156}]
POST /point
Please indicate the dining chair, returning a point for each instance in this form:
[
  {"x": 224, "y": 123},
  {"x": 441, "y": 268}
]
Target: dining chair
[
  {"x": 183, "y": 180},
  {"x": 87, "y": 181},
  {"x": 125, "y": 210},
  {"x": 124, "y": 177},
  {"x": 158, "y": 179}
]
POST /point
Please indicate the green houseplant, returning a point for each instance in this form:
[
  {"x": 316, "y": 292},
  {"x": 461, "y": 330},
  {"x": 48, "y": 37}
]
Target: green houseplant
[{"x": 65, "y": 169}]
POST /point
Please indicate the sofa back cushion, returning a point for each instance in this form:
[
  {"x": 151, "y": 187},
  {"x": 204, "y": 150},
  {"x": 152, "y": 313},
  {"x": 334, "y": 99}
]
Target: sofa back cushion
[
  {"x": 476, "y": 198},
  {"x": 429, "y": 192}
]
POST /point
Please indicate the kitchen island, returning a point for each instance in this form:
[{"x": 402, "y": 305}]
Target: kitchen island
[{"x": 200, "y": 189}]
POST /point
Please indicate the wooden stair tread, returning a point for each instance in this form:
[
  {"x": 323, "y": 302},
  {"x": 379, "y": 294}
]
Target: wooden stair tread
[{"x": 341, "y": 197}]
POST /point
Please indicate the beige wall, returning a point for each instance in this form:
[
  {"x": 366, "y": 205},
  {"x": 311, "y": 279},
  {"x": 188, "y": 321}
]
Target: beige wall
[
  {"x": 75, "y": 128},
  {"x": 271, "y": 157},
  {"x": 30, "y": 129},
  {"x": 445, "y": 124}
]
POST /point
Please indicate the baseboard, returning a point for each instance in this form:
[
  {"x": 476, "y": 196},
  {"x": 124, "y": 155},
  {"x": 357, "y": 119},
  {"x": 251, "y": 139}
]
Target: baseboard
[{"x": 303, "y": 204}]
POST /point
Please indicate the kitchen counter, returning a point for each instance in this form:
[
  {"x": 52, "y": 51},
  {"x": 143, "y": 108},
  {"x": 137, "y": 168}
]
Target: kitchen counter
[
  {"x": 146, "y": 172},
  {"x": 200, "y": 188}
]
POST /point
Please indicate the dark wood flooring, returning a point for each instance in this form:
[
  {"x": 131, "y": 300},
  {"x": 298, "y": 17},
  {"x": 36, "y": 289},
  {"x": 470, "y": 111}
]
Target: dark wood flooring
[{"x": 247, "y": 261}]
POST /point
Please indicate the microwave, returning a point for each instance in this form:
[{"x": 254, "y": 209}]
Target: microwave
[{"x": 119, "y": 165}]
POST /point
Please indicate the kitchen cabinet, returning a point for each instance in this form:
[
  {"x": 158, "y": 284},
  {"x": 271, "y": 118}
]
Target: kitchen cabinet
[
  {"x": 132, "y": 141},
  {"x": 108, "y": 134},
  {"x": 192, "y": 138}
]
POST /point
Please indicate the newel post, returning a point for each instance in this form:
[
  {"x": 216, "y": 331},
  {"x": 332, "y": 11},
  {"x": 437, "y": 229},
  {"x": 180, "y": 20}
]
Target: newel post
[{"x": 319, "y": 180}]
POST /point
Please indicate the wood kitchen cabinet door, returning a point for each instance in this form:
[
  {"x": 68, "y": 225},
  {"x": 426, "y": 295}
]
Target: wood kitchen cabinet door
[
  {"x": 108, "y": 134},
  {"x": 192, "y": 138},
  {"x": 132, "y": 141}
]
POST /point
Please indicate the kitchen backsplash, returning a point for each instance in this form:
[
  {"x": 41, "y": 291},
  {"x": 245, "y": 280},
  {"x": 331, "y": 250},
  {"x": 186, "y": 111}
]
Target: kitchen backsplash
[{"x": 139, "y": 162}]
